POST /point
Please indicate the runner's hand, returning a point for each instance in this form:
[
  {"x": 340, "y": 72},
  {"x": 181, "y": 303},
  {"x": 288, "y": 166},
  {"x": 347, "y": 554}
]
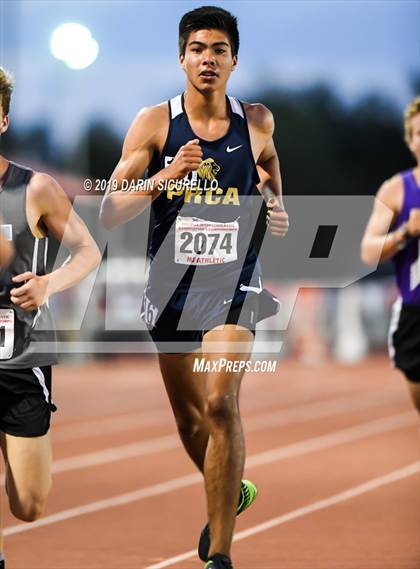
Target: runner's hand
[
  {"x": 188, "y": 158},
  {"x": 277, "y": 218},
  {"x": 32, "y": 294}
]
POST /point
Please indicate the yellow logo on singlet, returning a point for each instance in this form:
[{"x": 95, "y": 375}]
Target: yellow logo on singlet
[
  {"x": 202, "y": 187},
  {"x": 208, "y": 169}
]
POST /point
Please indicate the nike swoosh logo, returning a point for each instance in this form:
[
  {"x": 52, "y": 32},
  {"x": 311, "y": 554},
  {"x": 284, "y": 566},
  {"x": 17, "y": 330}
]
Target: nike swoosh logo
[
  {"x": 227, "y": 301},
  {"x": 229, "y": 149}
]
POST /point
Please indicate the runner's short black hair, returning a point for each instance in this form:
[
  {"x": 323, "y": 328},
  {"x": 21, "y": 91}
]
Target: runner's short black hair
[{"x": 208, "y": 18}]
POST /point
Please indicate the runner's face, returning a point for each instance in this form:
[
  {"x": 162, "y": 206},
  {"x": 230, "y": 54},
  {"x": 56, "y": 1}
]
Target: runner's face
[
  {"x": 208, "y": 60},
  {"x": 415, "y": 137}
]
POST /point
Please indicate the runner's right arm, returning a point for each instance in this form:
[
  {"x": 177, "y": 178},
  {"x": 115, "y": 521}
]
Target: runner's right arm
[
  {"x": 378, "y": 244},
  {"x": 144, "y": 138}
]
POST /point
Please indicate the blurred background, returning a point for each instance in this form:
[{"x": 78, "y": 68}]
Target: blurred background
[{"x": 336, "y": 75}]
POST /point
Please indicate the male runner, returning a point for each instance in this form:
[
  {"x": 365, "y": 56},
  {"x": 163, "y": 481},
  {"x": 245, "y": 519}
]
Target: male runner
[
  {"x": 401, "y": 195},
  {"x": 204, "y": 284},
  {"x": 32, "y": 206}
]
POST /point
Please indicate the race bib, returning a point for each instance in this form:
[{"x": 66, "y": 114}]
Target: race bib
[
  {"x": 202, "y": 242},
  {"x": 7, "y": 333}
]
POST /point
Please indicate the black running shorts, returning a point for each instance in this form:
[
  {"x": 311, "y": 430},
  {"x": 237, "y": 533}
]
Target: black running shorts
[
  {"x": 25, "y": 401},
  {"x": 187, "y": 316},
  {"x": 404, "y": 339}
]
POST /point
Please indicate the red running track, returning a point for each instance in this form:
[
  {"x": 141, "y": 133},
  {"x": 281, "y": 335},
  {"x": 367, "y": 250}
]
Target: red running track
[{"x": 334, "y": 452}]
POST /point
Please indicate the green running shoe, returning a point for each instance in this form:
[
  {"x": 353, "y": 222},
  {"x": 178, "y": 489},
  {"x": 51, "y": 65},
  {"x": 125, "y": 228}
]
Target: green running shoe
[{"x": 246, "y": 498}]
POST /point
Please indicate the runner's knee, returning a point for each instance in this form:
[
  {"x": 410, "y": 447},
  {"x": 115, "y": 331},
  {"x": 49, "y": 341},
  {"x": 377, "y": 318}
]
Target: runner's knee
[
  {"x": 28, "y": 507},
  {"x": 189, "y": 422},
  {"x": 28, "y": 504},
  {"x": 221, "y": 409}
]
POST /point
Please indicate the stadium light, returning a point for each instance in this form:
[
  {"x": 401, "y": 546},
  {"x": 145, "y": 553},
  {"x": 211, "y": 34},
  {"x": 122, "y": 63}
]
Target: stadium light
[{"x": 74, "y": 45}]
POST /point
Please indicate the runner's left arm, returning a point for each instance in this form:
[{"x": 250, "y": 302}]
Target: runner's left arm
[
  {"x": 57, "y": 216},
  {"x": 268, "y": 166}
]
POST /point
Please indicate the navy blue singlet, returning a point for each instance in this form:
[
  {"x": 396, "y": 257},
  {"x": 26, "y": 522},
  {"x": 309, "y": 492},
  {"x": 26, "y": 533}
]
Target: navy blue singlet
[{"x": 203, "y": 225}]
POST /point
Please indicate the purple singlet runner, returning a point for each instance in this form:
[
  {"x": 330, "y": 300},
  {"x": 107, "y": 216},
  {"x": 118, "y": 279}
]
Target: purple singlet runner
[{"x": 407, "y": 261}]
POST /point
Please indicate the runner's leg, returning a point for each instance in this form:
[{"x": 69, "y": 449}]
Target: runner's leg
[
  {"x": 28, "y": 474},
  {"x": 225, "y": 456},
  {"x": 186, "y": 391}
]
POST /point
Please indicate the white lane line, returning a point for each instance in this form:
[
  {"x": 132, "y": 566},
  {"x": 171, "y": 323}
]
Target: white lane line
[
  {"x": 352, "y": 492},
  {"x": 306, "y": 412},
  {"x": 297, "y": 449},
  {"x": 254, "y": 423},
  {"x": 121, "y": 500},
  {"x": 69, "y": 431},
  {"x": 113, "y": 454},
  {"x": 349, "y": 434},
  {"x": 107, "y": 425}
]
